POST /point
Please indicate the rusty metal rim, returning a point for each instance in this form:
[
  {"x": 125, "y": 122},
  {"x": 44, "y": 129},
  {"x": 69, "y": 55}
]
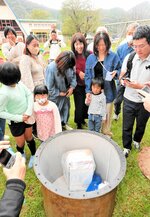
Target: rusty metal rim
[{"x": 80, "y": 195}]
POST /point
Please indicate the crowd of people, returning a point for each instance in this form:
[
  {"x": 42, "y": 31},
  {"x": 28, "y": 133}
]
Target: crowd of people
[{"x": 35, "y": 96}]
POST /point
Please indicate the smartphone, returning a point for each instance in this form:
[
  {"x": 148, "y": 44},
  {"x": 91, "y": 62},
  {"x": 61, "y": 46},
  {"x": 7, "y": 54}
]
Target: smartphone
[
  {"x": 7, "y": 159},
  {"x": 124, "y": 78},
  {"x": 144, "y": 91}
]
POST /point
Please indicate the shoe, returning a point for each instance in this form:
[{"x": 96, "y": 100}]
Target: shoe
[
  {"x": 31, "y": 161},
  {"x": 79, "y": 126},
  {"x": 6, "y": 137},
  {"x": 24, "y": 155},
  {"x": 67, "y": 127},
  {"x": 136, "y": 145},
  {"x": 126, "y": 152},
  {"x": 115, "y": 117},
  {"x": 108, "y": 133}
]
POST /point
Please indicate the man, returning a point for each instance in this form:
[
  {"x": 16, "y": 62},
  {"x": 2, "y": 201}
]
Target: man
[
  {"x": 12, "y": 199},
  {"x": 133, "y": 108},
  {"x": 12, "y": 50},
  {"x": 123, "y": 50},
  {"x": 54, "y": 44}
]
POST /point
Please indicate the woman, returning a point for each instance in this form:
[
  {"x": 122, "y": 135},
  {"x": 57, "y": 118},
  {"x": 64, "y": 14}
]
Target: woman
[
  {"x": 61, "y": 81},
  {"x": 32, "y": 64},
  {"x": 103, "y": 63},
  {"x": 78, "y": 46}
]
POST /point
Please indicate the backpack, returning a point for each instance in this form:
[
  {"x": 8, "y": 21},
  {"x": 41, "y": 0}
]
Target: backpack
[{"x": 129, "y": 64}]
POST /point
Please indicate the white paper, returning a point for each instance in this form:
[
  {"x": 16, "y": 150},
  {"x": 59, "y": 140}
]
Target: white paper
[{"x": 108, "y": 76}]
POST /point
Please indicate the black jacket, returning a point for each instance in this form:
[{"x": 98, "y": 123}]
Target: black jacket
[{"x": 12, "y": 199}]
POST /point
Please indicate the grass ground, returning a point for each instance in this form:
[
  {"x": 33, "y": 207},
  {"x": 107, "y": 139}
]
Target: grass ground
[{"x": 133, "y": 195}]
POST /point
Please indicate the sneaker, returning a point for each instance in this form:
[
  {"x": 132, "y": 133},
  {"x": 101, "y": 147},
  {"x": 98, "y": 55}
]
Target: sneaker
[
  {"x": 67, "y": 127},
  {"x": 126, "y": 152},
  {"x": 136, "y": 145},
  {"x": 115, "y": 117},
  {"x": 31, "y": 161},
  {"x": 6, "y": 137}
]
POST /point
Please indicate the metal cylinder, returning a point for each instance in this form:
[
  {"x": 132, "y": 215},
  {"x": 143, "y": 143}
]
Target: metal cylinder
[{"x": 110, "y": 165}]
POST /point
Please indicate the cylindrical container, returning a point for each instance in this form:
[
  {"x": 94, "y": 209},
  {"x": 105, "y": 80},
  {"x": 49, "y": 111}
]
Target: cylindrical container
[{"x": 110, "y": 165}]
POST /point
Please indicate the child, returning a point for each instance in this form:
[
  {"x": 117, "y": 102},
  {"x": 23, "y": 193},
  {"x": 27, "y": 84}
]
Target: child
[
  {"x": 16, "y": 105},
  {"x": 46, "y": 114},
  {"x": 97, "y": 105}
]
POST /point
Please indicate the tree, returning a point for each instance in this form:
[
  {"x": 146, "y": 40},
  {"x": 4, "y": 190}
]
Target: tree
[
  {"x": 39, "y": 14},
  {"x": 79, "y": 16}
]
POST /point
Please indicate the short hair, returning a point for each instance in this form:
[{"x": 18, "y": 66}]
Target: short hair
[
  {"x": 142, "y": 32},
  {"x": 28, "y": 41},
  {"x": 9, "y": 29},
  {"x": 132, "y": 27},
  {"x": 102, "y": 29},
  {"x": 101, "y": 36},
  {"x": 98, "y": 81},
  {"x": 81, "y": 38},
  {"x": 64, "y": 61},
  {"x": 40, "y": 89},
  {"x": 53, "y": 31},
  {"x": 9, "y": 73}
]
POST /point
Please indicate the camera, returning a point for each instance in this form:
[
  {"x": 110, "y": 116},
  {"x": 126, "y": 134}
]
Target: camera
[{"x": 7, "y": 158}]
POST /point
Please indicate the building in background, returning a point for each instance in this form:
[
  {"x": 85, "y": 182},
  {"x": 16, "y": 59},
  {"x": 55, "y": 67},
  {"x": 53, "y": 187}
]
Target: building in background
[{"x": 24, "y": 27}]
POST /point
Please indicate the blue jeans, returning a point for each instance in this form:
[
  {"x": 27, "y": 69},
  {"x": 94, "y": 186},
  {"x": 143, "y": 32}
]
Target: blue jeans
[
  {"x": 2, "y": 129},
  {"x": 94, "y": 122}
]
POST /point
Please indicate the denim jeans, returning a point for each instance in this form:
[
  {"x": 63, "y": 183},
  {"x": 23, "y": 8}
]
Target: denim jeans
[
  {"x": 94, "y": 122},
  {"x": 2, "y": 129}
]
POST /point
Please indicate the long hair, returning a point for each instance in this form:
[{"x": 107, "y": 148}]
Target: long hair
[
  {"x": 28, "y": 41},
  {"x": 81, "y": 38},
  {"x": 101, "y": 36},
  {"x": 64, "y": 61}
]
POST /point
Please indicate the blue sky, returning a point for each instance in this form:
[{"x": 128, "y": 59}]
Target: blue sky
[{"x": 106, "y": 4}]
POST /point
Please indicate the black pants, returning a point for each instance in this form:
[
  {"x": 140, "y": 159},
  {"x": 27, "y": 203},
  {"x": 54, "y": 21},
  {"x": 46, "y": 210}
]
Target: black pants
[
  {"x": 80, "y": 107},
  {"x": 118, "y": 100},
  {"x": 133, "y": 111}
]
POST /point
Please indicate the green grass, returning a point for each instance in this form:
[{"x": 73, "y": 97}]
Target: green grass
[{"x": 133, "y": 195}]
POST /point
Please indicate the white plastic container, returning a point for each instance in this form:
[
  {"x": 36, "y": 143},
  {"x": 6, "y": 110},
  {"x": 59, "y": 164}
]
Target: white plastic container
[{"x": 78, "y": 169}]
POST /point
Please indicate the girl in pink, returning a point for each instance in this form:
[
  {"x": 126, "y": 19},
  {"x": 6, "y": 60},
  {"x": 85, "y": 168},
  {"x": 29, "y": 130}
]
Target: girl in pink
[{"x": 46, "y": 114}]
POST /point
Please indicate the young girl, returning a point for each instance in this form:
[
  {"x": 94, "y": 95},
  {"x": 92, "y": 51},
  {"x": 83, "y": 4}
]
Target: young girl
[
  {"x": 97, "y": 105},
  {"x": 46, "y": 114},
  {"x": 16, "y": 105}
]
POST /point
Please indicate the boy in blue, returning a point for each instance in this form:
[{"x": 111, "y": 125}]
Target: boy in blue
[{"x": 97, "y": 105}]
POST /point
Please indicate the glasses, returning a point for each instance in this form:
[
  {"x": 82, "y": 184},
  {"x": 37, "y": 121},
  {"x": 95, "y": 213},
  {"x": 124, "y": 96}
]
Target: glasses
[{"x": 140, "y": 46}]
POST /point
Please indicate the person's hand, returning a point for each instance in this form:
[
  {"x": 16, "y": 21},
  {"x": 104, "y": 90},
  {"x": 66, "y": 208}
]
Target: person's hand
[
  {"x": 113, "y": 74},
  {"x": 81, "y": 75},
  {"x": 133, "y": 84},
  {"x": 25, "y": 117},
  {"x": 147, "y": 83},
  {"x": 18, "y": 170},
  {"x": 12, "y": 43},
  {"x": 146, "y": 102},
  {"x": 62, "y": 94},
  {"x": 69, "y": 92},
  {"x": 4, "y": 145}
]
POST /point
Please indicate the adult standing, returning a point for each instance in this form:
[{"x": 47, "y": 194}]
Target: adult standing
[
  {"x": 123, "y": 50},
  {"x": 103, "y": 63},
  {"x": 133, "y": 108},
  {"x": 78, "y": 46},
  {"x": 54, "y": 44},
  {"x": 32, "y": 65},
  {"x": 61, "y": 81},
  {"x": 12, "y": 49}
]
